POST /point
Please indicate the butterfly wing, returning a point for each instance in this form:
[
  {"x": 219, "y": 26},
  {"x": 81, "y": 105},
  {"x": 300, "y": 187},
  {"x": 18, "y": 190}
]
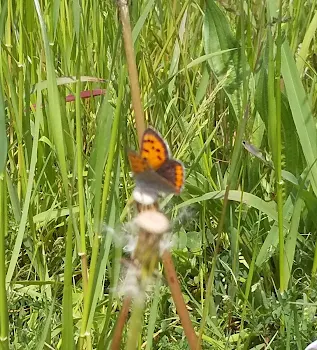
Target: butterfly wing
[
  {"x": 152, "y": 169},
  {"x": 151, "y": 182},
  {"x": 154, "y": 149},
  {"x": 174, "y": 173},
  {"x": 137, "y": 163}
]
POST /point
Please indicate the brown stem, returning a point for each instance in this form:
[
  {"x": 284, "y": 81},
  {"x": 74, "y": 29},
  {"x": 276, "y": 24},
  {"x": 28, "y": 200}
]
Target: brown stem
[
  {"x": 140, "y": 125},
  {"x": 117, "y": 335},
  {"x": 182, "y": 311},
  {"x": 132, "y": 69},
  {"x": 84, "y": 265}
]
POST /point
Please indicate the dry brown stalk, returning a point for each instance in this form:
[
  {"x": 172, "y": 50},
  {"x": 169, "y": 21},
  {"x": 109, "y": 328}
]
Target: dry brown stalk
[
  {"x": 117, "y": 335},
  {"x": 140, "y": 126},
  {"x": 132, "y": 69},
  {"x": 176, "y": 292}
]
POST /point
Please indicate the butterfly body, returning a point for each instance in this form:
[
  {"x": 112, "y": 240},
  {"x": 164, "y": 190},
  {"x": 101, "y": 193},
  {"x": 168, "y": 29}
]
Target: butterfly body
[{"x": 153, "y": 169}]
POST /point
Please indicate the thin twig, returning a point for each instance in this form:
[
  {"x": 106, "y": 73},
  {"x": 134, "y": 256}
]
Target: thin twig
[
  {"x": 182, "y": 311},
  {"x": 117, "y": 335}
]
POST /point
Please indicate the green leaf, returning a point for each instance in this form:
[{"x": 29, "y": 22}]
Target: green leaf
[
  {"x": 194, "y": 241},
  {"x": 3, "y": 135},
  {"x": 139, "y": 24},
  {"x": 304, "y": 48},
  {"x": 26, "y": 205},
  {"x": 67, "y": 315},
  {"x": 268, "y": 208},
  {"x": 290, "y": 244},
  {"x": 302, "y": 116},
  {"x": 46, "y": 329},
  {"x": 217, "y": 37}
]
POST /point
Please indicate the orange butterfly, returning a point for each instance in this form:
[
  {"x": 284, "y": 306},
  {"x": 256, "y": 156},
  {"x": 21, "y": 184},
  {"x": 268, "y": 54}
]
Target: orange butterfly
[{"x": 153, "y": 169}]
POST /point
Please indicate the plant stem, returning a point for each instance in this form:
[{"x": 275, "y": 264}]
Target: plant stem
[
  {"x": 279, "y": 181},
  {"x": 117, "y": 335},
  {"x": 140, "y": 125},
  {"x": 132, "y": 69},
  {"x": 79, "y": 145},
  {"x": 135, "y": 324},
  {"x": 4, "y": 320},
  {"x": 105, "y": 193},
  {"x": 182, "y": 311}
]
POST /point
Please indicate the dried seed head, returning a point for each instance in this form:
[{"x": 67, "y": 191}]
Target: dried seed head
[{"x": 153, "y": 222}]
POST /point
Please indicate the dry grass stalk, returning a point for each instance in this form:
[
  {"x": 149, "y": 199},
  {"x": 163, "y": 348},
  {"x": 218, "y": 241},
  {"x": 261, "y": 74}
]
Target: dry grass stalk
[
  {"x": 147, "y": 250},
  {"x": 132, "y": 69},
  {"x": 117, "y": 335}
]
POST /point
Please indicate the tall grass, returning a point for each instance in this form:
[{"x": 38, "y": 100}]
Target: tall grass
[{"x": 212, "y": 74}]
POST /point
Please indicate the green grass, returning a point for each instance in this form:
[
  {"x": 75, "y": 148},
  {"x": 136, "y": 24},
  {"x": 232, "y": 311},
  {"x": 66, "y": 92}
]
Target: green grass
[{"x": 211, "y": 75}]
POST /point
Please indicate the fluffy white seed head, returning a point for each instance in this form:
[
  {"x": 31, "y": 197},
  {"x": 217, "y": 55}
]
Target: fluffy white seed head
[
  {"x": 312, "y": 346},
  {"x": 135, "y": 285},
  {"x": 131, "y": 284},
  {"x": 152, "y": 221}
]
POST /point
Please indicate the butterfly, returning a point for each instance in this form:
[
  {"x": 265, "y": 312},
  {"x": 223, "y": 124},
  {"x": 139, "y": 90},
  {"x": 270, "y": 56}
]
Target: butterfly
[{"x": 153, "y": 168}]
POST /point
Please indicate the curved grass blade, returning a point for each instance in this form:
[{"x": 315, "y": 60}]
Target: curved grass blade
[
  {"x": 26, "y": 205},
  {"x": 302, "y": 116},
  {"x": 217, "y": 36},
  {"x": 268, "y": 208},
  {"x": 3, "y": 134}
]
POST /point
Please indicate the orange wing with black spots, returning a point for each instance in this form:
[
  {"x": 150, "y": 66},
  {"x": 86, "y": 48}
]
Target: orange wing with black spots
[
  {"x": 153, "y": 168},
  {"x": 137, "y": 163},
  {"x": 173, "y": 171},
  {"x": 154, "y": 149}
]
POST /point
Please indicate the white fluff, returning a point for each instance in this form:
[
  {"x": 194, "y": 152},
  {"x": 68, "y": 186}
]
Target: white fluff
[
  {"x": 152, "y": 221},
  {"x": 312, "y": 346},
  {"x": 145, "y": 197}
]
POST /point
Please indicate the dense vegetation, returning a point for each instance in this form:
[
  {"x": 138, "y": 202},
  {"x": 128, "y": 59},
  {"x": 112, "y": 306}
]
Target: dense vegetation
[{"x": 212, "y": 74}]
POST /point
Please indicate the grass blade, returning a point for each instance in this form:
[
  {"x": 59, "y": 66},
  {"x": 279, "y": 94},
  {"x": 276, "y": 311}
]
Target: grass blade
[{"x": 301, "y": 111}]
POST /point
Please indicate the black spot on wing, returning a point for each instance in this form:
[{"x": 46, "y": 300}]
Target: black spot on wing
[{"x": 152, "y": 136}]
